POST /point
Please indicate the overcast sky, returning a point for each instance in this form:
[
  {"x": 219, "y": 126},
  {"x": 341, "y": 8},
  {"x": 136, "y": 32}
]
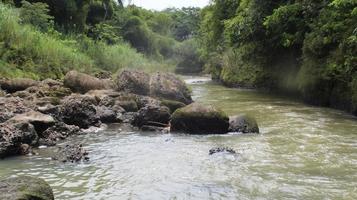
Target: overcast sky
[{"x": 162, "y": 4}]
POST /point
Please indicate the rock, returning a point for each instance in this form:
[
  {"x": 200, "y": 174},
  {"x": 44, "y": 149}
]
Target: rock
[
  {"x": 17, "y": 84},
  {"x": 40, "y": 121},
  {"x": 168, "y": 86},
  {"x": 172, "y": 105},
  {"x": 243, "y": 124},
  {"x": 128, "y": 117},
  {"x": 136, "y": 82},
  {"x": 82, "y": 83},
  {"x": 199, "y": 119},
  {"x": 152, "y": 115},
  {"x": 11, "y": 106},
  {"x": 12, "y": 136},
  {"x": 221, "y": 150},
  {"x": 143, "y": 101},
  {"x": 71, "y": 153},
  {"x": 25, "y": 188},
  {"x": 129, "y": 106},
  {"x": 79, "y": 110},
  {"x": 25, "y": 149},
  {"x": 107, "y": 115},
  {"x": 58, "y": 132}
]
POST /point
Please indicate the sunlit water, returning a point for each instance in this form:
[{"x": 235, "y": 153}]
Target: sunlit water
[{"x": 303, "y": 153}]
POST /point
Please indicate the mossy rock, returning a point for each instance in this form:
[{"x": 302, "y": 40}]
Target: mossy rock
[
  {"x": 172, "y": 105},
  {"x": 199, "y": 119},
  {"x": 25, "y": 188},
  {"x": 243, "y": 124},
  {"x": 128, "y": 105}
]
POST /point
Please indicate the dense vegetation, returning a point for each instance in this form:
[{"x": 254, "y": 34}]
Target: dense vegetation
[
  {"x": 303, "y": 47},
  {"x": 44, "y": 39}
]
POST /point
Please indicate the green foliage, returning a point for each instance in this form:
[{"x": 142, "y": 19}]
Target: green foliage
[
  {"x": 37, "y": 15},
  {"x": 185, "y": 22},
  {"x": 189, "y": 58},
  {"x": 27, "y": 52},
  {"x": 304, "y": 46}
]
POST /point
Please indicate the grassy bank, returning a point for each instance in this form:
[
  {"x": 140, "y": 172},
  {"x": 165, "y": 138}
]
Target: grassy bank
[{"x": 25, "y": 51}]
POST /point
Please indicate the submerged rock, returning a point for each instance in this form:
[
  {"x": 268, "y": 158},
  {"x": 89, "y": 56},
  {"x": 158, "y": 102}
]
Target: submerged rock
[
  {"x": 12, "y": 136},
  {"x": 221, "y": 150},
  {"x": 25, "y": 188},
  {"x": 199, "y": 119},
  {"x": 17, "y": 84},
  {"x": 79, "y": 110},
  {"x": 71, "y": 153},
  {"x": 243, "y": 124},
  {"x": 82, "y": 83}
]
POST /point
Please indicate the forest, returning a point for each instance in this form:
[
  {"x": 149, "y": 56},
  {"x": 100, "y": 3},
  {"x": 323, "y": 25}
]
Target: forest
[{"x": 302, "y": 48}]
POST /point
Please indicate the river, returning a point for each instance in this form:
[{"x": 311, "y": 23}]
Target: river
[{"x": 303, "y": 152}]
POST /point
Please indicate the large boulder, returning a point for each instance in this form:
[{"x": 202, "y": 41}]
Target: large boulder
[
  {"x": 25, "y": 188},
  {"x": 168, "y": 86},
  {"x": 136, "y": 82},
  {"x": 17, "y": 84},
  {"x": 12, "y": 136},
  {"x": 159, "y": 85},
  {"x": 79, "y": 110},
  {"x": 243, "y": 124},
  {"x": 11, "y": 106},
  {"x": 152, "y": 115},
  {"x": 40, "y": 121},
  {"x": 82, "y": 83},
  {"x": 199, "y": 119}
]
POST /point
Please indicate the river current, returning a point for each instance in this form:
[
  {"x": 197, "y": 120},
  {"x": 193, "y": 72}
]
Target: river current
[{"x": 303, "y": 152}]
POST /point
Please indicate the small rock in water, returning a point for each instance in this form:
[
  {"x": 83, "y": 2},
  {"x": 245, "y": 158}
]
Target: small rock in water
[
  {"x": 71, "y": 153},
  {"x": 221, "y": 149}
]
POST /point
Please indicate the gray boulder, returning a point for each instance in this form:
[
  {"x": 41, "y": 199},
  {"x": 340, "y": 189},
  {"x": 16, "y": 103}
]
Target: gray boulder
[
  {"x": 12, "y": 136},
  {"x": 12, "y": 106},
  {"x": 82, "y": 83},
  {"x": 25, "y": 188},
  {"x": 168, "y": 86},
  {"x": 134, "y": 81},
  {"x": 79, "y": 110},
  {"x": 17, "y": 84}
]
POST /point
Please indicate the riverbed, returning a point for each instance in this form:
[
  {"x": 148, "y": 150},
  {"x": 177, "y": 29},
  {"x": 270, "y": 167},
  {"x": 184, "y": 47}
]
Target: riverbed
[{"x": 303, "y": 152}]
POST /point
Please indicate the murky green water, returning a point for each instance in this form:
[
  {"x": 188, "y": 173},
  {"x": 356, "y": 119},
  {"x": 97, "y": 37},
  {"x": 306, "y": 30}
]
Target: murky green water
[{"x": 304, "y": 153}]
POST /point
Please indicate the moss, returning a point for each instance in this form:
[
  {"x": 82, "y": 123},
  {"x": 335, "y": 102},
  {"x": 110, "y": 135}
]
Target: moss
[{"x": 172, "y": 105}]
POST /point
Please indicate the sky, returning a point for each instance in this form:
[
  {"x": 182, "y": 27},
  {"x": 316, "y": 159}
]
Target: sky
[{"x": 162, "y": 4}]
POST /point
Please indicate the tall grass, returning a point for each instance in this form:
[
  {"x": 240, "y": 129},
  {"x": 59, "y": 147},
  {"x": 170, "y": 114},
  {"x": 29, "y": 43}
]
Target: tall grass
[{"x": 27, "y": 52}]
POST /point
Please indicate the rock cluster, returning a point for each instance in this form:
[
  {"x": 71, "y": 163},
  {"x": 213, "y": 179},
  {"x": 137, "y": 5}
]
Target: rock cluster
[{"x": 36, "y": 113}]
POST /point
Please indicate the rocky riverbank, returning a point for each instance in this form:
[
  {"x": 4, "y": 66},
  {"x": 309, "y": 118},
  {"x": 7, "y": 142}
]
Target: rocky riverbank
[{"x": 37, "y": 113}]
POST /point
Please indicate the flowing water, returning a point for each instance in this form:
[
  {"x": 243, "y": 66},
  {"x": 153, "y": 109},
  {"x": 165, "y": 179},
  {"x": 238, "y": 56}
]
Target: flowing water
[{"x": 303, "y": 153}]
